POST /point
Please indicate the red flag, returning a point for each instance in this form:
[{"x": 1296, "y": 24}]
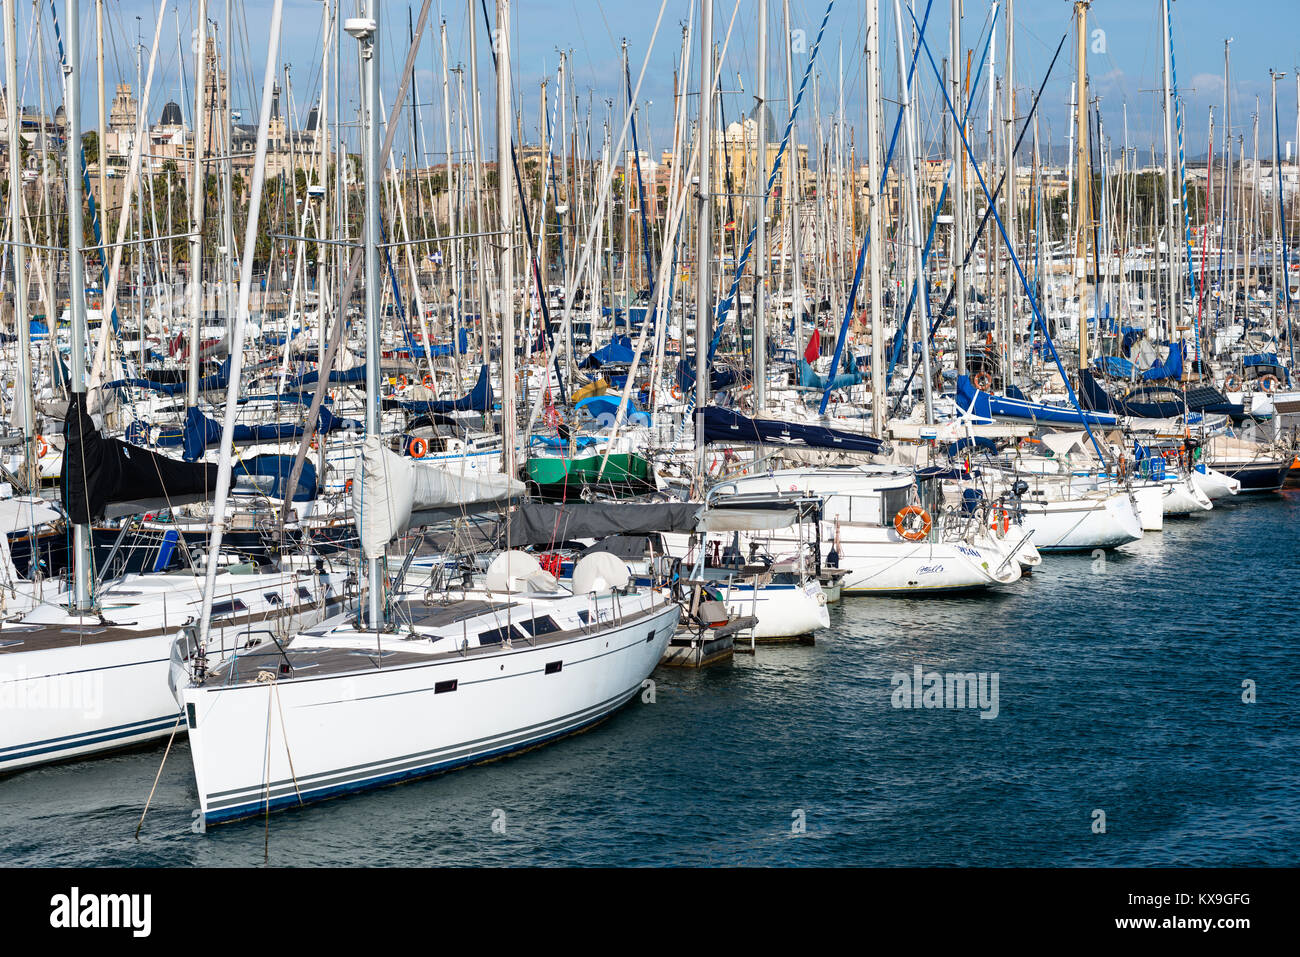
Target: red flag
[{"x": 814, "y": 347}]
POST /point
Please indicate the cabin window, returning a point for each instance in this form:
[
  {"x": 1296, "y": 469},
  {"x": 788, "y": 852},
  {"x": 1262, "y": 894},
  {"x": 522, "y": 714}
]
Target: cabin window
[
  {"x": 303, "y": 593},
  {"x": 273, "y": 598},
  {"x": 893, "y": 500},
  {"x": 540, "y": 626},
  {"x": 553, "y": 667},
  {"x": 223, "y": 608},
  {"x": 495, "y": 636},
  {"x": 442, "y": 687}
]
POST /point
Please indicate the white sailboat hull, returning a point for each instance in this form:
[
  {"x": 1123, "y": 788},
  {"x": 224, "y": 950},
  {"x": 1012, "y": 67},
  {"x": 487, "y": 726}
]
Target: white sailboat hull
[
  {"x": 783, "y": 611},
  {"x": 1150, "y": 502},
  {"x": 74, "y": 701},
  {"x": 1182, "y": 497},
  {"x": 1082, "y": 523},
  {"x": 362, "y": 729},
  {"x": 1213, "y": 484}
]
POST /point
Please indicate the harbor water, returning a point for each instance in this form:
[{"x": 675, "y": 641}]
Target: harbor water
[{"x": 1144, "y": 713}]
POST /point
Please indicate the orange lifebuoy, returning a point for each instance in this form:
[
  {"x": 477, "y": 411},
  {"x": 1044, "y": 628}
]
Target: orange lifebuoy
[
  {"x": 1232, "y": 383},
  {"x": 402, "y": 382},
  {"x": 418, "y": 448},
  {"x": 1000, "y": 517},
  {"x": 1268, "y": 383},
  {"x": 347, "y": 487},
  {"x": 983, "y": 381},
  {"x": 912, "y": 522},
  {"x": 42, "y": 447},
  {"x": 677, "y": 392},
  {"x": 427, "y": 381}
]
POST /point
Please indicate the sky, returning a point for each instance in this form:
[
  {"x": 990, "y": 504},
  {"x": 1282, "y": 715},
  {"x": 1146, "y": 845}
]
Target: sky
[{"x": 1124, "y": 61}]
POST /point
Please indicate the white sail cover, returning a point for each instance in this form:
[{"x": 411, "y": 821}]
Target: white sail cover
[{"x": 387, "y": 488}]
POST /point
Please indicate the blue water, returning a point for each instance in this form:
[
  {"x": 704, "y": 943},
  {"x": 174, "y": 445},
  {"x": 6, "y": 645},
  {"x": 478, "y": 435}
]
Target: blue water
[{"x": 1120, "y": 690}]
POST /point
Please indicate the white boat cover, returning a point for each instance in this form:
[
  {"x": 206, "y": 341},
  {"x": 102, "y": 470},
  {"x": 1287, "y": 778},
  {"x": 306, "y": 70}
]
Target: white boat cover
[
  {"x": 747, "y": 519},
  {"x": 516, "y": 571},
  {"x": 599, "y": 572},
  {"x": 387, "y": 488},
  {"x": 20, "y": 514}
]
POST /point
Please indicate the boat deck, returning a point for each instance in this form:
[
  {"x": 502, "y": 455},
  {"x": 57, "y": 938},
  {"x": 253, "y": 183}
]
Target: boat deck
[
  {"x": 307, "y": 656},
  {"x": 20, "y": 637}
]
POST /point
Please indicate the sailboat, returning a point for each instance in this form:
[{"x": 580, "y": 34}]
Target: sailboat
[
  {"x": 86, "y": 670},
  {"x": 413, "y": 683}
]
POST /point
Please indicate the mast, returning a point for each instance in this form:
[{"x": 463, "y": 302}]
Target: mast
[
  {"x": 790, "y": 197},
  {"x": 1082, "y": 176},
  {"x": 914, "y": 213},
  {"x": 82, "y": 571},
  {"x": 453, "y": 223},
  {"x": 1279, "y": 227},
  {"x": 224, "y": 465},
  {"x": 505, "y": 204},
  {"x": 51, "y": 264},
  {"x": 227, "y": 197},
  {"x": 368, "y": 34},
  {"x": 1171, "y": 202},
  {"x": 957, "y": 256},
  {"x": 198, "y": 189},
  {"x": 760, "y": 221},
  {"x": 704, "y": 224},
  {"x": 877, "y": 239},
  {"x": 23, "y": 387},
  {"x": 103, "y": 124},
  {"x": 1012, "y": 197},
  {"x": 476, "y": 120},
  {"x": 1226, "y": 209}
]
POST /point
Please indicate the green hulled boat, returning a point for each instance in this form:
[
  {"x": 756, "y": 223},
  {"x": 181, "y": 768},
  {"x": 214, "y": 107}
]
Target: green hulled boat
[{"x": 558, "y": 477}]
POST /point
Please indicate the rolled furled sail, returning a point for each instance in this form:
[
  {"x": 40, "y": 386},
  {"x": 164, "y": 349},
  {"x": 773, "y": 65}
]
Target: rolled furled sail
[
  {"x": 728, "y": 427},
  {"x": 983, "y": 406},
  {"x": 202, "y": 431},
  {"x": 536, "y": 523},
  {"x": 176, "y": 385},
  {"x": 99, "y": 471},
  {"x": 721, "y": 377},
  {"x": 478, "y": 399},
  {"x": 354, "y": 376},
  {"x": 269, "y": 476},
  {"x": 388, "y": 489}
]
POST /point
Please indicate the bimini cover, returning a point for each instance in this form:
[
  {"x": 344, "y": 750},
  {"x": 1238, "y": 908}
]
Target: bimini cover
[
  {"x": 20, "y": 514},
  {"x": 1065, "y": 443},
  {"x": 747, "y": 519},
  {"x": 599, "y": 572},
  {"x": 388, "y": 488},
  {"x": 515, "y": 571}
]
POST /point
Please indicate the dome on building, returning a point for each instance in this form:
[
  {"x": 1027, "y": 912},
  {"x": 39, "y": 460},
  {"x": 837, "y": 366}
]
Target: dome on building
[{"x": 171, "y": 114}]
